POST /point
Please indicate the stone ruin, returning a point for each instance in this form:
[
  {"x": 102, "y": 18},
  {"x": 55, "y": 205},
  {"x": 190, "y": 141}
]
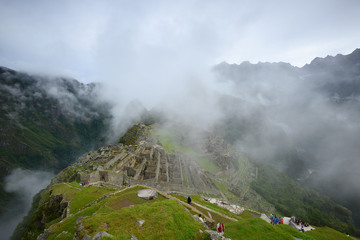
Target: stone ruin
[{"x": 147, "y": 164}]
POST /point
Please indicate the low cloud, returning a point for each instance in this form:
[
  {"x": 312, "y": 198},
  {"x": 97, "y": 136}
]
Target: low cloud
[{"x": 24, "y": 184}]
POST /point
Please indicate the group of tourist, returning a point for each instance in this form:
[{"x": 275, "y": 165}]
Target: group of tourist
[
  {"x": 276, "y": 219},
  {"x": 300, "y": 223}
]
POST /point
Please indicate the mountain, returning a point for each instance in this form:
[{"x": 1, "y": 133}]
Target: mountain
[
  {"x": 282, "y": 139},
  {"x": 168, "y": 160},
  {"x": 46, "y": 123},
  {"x": 304, "y": 121},
  {"x": 337, "y": 76}
]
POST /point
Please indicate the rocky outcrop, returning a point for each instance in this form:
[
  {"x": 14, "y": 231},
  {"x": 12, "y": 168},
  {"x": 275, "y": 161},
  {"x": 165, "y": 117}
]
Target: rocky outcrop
[
  {"x": 147, "y": 194},
  {"x": 54, "y": 208},
  {"x": 101, "y": 234}
]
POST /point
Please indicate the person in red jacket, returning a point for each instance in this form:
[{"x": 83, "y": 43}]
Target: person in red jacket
[{"x": 221, "y": 229}]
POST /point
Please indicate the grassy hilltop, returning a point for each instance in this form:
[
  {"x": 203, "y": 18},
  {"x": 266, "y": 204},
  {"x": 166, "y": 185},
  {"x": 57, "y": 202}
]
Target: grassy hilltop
[{"x": 117, "y": 214}]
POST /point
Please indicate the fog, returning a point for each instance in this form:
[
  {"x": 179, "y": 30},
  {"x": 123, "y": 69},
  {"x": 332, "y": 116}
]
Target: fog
[{"x": 24, "y": 184}]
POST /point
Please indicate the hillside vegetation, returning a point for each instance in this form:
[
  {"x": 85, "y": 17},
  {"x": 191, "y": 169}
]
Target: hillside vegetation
[
  {"x": 45, "y": 123},
  {"x": 116, "y": 211},
  {"x": 292, "y": 199}
]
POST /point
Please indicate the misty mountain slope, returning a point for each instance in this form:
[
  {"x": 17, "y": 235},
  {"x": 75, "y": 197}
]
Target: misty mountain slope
[
  {"x": 337, "y": 76},
  {"x": 46, "y": 123},
  {"x": 304, "y": 121}
]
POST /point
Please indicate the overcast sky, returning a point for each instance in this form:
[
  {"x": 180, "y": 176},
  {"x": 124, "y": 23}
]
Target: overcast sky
[{"x": 94, "y": 40}]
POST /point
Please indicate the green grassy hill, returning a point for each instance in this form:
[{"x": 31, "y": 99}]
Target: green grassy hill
[{"x": 94, "y": 209}]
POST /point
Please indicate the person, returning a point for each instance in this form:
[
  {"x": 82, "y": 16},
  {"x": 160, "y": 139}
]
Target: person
[
  {"x": 281, "y": 220},
  {"x": 272, "y": 218},
  {"x": 200, "y": 218},
  {"x": 276, "y": 220},
  {"x": 221, "y": 229},
  {"x": 302, "y": 229},
  {"x": 189, "y": 199}
]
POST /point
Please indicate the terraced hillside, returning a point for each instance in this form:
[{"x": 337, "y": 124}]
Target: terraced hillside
[{"x": 71, "y": 211}]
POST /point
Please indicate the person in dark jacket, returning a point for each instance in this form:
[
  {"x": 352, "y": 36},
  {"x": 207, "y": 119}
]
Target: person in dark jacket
[{"x": 189, "y": 199}]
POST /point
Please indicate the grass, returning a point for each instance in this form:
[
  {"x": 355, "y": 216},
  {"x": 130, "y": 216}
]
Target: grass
[
  {"x": 215, "y": 216},
  {"x": 159, "y": 214},
  {"x": 206, "y": 164},
  {"x": 131, "y": 195},
  {"x": 255, "y": 228},
  {"x": 82, "y": 197},
  {"x": 163, "y": 220},
  {"x": 246, "y": 214},
  {"x": 171, "y": 144},
  {"x": 69, "y": 223},
  {"x": 215, "y": 207},
  {"x": 326, "y": 233},
  {"x": 223, "y": 188}
]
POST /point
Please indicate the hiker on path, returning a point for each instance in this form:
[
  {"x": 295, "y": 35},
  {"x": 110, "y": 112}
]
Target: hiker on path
[
  {"x": 221, "y": 229},
  {"x": 189, "y": 199}
]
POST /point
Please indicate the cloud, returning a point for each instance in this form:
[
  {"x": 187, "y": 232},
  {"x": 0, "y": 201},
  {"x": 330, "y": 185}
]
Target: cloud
[{"x": 24, "y": 184}]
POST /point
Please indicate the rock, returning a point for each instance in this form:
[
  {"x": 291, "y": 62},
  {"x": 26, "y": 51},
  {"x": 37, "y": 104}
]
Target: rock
[
  {"x": 266, "y": 218},
  {"x": 78, "y": 219},
  {"x": 43, "y": 236},
  {"x": 133, "y": 237},
  {"x": 86, "y": 237},
  {"x": 100, "y": 235},
  {"x": 209, "y": 215},
  {"x": 81, "y": 227},
  {"x": 140, "y": 223},
  {"x": 147, "y": 194},
  {"x": 213, "y": 200},
  {"x": 206, "y": 226},
  {"x": 213, "y": 234},
  {"x": 286, "y": 220}
]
